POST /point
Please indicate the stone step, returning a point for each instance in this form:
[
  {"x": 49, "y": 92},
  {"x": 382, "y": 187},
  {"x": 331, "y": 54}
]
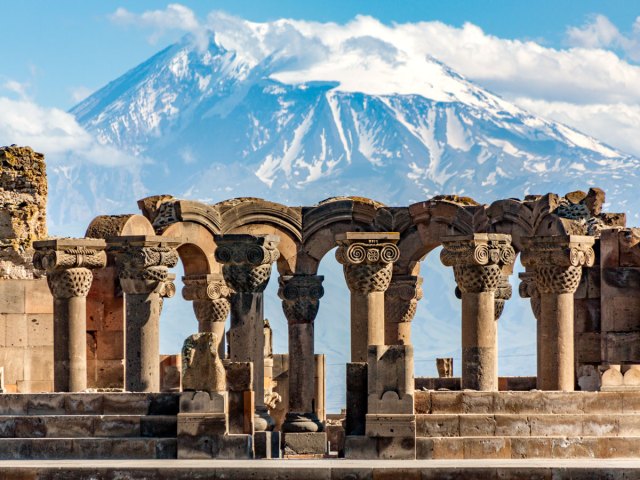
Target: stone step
[
  {"x": 531, "y": 402},
  {"x": 73, "y": 426},
  {"x": 527, "y": 425},
  {"x": 87, "y": 448},
  {"x": 527, "y": 447},
  {"x": 89, "y": 404}
]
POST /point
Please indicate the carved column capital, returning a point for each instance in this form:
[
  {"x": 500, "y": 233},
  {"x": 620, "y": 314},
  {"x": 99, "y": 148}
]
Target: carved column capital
[
  {"x": 477, "y": 260},
  {"x": 68, "y": 262},
  {"x": 210, "y": 295},
  {"x": 402, "y": 297},
  {"x": 143, "y": 263},
  {"x": 367, "y": 258},
  {"x": 503, "y": 293},
  {"x": 246, "y": 260},
  {"x": 529, "y": 289},
  {"x": 300, "y": 296},
  {"x": 558, "y": 260}
]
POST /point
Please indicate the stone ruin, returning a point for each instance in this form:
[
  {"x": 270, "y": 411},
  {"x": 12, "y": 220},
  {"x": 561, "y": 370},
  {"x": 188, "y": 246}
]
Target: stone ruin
[{"x": 79, "y": 340}]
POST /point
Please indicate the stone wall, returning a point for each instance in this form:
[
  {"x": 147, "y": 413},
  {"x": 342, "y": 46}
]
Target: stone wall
[{"x": 23, "y": 202}]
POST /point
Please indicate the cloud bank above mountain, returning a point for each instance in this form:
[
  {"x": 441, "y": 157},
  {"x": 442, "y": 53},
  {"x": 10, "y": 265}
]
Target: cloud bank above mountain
[{"x": 566, "y": 85}]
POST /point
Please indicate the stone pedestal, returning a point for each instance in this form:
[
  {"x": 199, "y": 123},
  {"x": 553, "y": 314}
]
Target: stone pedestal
[
  {"x": 68, "y": 263},
  {"x": 300, "y": 296},
  {"x": 367, "y": 259},
  {"x": 479, "y": 263},
  {"x": 304, "y": 444},
  {"x": 241, "y": 396},
  {"x": 143, "y": 263},
  {"x": 267, "y": 445},
  {"x": 356, "y": 398},
  {"x": 246, "y": 261},
  {"x": 557, "y": 262},
  {"x": 400, "y": 303},
  {"x": 210, "y": 296}
]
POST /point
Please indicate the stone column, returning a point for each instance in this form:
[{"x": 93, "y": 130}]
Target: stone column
[
  {"x": 68, "y": 263},
  {"x": 210, "y": 296},
  {"x": 478, "y": 263},
  {"x": 143, "y": 263},
  {"x": 557, "y": 262},
  {"x": 400, "y": 303},
  {"x": 528, "y": 289},
  {"x": 246, "y": 266},
  {"x": 300, "y": 296},
  {"x": 367, "y": 259}
]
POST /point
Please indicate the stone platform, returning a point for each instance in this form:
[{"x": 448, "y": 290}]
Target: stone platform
[{"x": 584, "y": 469}]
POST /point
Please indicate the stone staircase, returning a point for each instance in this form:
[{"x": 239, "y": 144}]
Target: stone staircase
[
  {"x": 534, "y": 424},
  {"x": 88, "y": 426}
]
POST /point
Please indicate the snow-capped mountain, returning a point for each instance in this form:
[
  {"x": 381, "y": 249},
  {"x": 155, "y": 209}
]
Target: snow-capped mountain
[{"x": 209, "y": 122}]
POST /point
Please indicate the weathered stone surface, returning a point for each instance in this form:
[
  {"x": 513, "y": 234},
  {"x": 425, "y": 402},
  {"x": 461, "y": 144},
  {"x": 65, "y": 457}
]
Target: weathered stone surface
[
  {"x": 202, "y": 369},
  {"x": 308, "y": 443}
]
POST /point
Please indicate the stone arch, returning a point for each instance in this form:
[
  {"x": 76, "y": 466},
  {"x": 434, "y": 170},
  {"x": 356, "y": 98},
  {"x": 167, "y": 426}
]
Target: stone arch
[
  {"x": 322, "y": 222},
  {"x": 197, "y": 248}
]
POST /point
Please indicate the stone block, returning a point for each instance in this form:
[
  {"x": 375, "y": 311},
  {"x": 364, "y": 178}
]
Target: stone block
[
  {"x": 241, "y": 408},
  {"x": 625, "y": 316},
  {"x": 7, "y": 426},
  {"x": 531, "y": 447},
  {"x": 133, "y": 448},
  {"x": 587, "y": 347},
  {"x": 158, "y": 426},
  {"x": 390, "y": 379},
  {"x": 16, "y": 332},
  {"x": 563, "y": 402},
  {"x": 574, "y": 447},
  {"x": 267, "y": 445},
  {"x": 518, "y": 402},
  {"x": 438, "y": 425},
  {"x": 38, "y": 298},
  {"x": 424, "y": 448},
  {"x": 199, "y": 424},
  {"x": 15, "y": 449},
  {"x": 110, "y": 345},
  {"x": 12, "y": 360},
  {"x": 113, "y": 315},
  {"x": 422, "y": 402},
  {"x": 602, "y": 425},
  {"x": 65, "y": 426},
  {"x": 39, "y": 329},
  {"x": 378, "y": 425},
  {"x": 33, "y": 386},
  {"x": 587, "y": 316},
  {"x": 233, "y": 447},
  {"x": 604, "y": 402},
  {"x": 95, "y": 314},
  {"x": 51, "y": 449},
  {"x": 448, "y": 448},
  {"x": 38, "y": 363},
  {"x": 239, "y": 375},
  {"x": 478, "y": 402},
  {"x": 110, "y": 373},
  {"x": 46, "y": 404},
  {"x": 3, "y": 329},
  {"x": 203, "y": 402},
  {"x": 30, "y": 427},
  {"x": 125, "y": 403},
  {"x": 618, "y": 447},
  {"x": 446, "y": 402},
  {"x": 488, "y": 447},
  {"x": 477, "y": 425},
  {"x": 556, "y": 425},
  {"x": 117, "y": 426},
  {"x": 397, "y": 448},
  {"x": 360, "y": 447},
  {"x": 512, "y": 425},
  {"x": 357, "y": 378},
  {"x": 629, "y": 401},
  {"x": 165, "y": 403},
  {"x": 294, "y": 444},
  {"x": 166, "y": 448},
  {"x": 83, "y": 403},
  {"x": 12, "y": 296},
  {"x": 621, "y": 347},
  {"x": 13, "y": 404}
]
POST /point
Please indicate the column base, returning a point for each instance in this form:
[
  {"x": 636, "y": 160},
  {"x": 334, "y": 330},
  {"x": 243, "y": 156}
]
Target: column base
[
  {"x": 301, "y": 423},
  {"x": 267, "y": 445},
  {"x": 262, "y": 421},
  {"x": 294, "y": 444}
]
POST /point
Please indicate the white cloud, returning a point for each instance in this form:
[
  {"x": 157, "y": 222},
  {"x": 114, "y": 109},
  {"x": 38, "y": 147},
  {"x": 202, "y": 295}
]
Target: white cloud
[
  {"x": 57, "y": 133},
  {"x": 79, "y": 93},
  {"x": 600, "y": 32},
  {"x": 175, "y": 17}
]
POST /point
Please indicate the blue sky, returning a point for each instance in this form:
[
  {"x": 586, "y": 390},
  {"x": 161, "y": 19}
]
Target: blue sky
[{"x": 60, "y": 49}]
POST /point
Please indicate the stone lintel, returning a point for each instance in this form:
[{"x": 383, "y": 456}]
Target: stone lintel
[
  {"x": 368, "y": 236},
  {"x": 144, "y": 241},
  {"x": 66, "y": 243},
  {"x": 247, "y": 238},
  {"x": 477, "y": 237},
  {"x": 560, "y": 240},
  {"x": 203, "y": 278}
]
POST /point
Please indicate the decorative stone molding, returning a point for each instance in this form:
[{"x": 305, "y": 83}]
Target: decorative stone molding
[
  {"x": 402, "y": 297},
  {"x": 246, "y": 260},
  {"x": 477, "y": 260},
  {"x": 503, "y": 293},
  {"x": 210, "y": 295},
  {"x": 528, "y": 289},
  {"x": 558, "y": 261},
  {"x": 68, "y": 262},
  {"x": 143, "y": 263},
  {"x": 300, "y": 296},
  {"x": 367, "y": 258}
]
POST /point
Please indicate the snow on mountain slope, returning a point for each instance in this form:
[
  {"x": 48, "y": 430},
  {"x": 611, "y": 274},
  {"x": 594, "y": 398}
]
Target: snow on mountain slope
[{"x": 298, "y": 125}]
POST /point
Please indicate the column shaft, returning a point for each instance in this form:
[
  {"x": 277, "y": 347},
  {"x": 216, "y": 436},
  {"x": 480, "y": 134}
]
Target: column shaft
[
  {"x": 359, "y": 327},
  {"x": 557, "y": 357},
  {"x": 142, "y": 342},
  {"x": 70, "y": 344},
  {"x": 301, "y": 367},
  {"x": 479, "y": 342}
]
